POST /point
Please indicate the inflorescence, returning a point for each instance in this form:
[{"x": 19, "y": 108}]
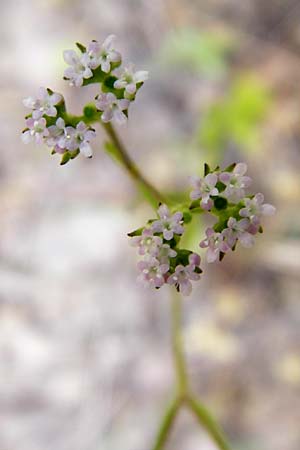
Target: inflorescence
[
  {"x": 69, "y": 135},
  {"x": 220, "y": 193},
  {"x": 238, "y": 218}
]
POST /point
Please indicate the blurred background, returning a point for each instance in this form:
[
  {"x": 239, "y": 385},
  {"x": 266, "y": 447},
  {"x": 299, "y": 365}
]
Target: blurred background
[{"x": 84, "y": 351}]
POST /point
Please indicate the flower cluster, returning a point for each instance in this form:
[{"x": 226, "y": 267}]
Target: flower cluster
[
  {"x": 101, "y": 63},
  {"x": 163, "y": 262},
  {"x": 96, "y": 56},
  {"x": 69, "y": 135},
  {"x": 223, "y": 194},
  {"x": 45, "y": 125},
  {"x": 239, "y": 215}
]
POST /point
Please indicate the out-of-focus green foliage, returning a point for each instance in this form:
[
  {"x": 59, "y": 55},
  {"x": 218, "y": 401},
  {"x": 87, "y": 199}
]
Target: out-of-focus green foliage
[
  {"x": 236, "y": 118},
  {"x": 201, "y": 52}
]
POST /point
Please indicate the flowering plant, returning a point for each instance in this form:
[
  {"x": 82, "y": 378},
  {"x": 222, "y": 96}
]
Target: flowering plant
[{"x": 220, "y": 193}]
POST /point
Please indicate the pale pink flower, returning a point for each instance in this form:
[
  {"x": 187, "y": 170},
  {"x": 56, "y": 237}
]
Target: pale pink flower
[
  {"x": 215, "y": 243},
  {"x": 44, "y": 103},
  {"x": 37, "y": 131},
  {"x": 112, "y": 108},
  {"x": 152, "y": 272},
  {"x": 168, "y": 224},
  {"x": 235, "y": 182},
  {"x": 204, "y": 188},
  {"x": 183, "y": 275},
  {"x": 129, "y": 79}
]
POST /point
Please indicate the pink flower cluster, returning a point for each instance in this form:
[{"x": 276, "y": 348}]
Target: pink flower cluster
[
  {"x": 233, "y": 183},
  {"x": 246, "y": 211},
  {"x": 223, "y": 194},
  {"x": 115, "y": 100},
  {"x": 42, "y": 127},
  {"x": 162, "y": 262}
]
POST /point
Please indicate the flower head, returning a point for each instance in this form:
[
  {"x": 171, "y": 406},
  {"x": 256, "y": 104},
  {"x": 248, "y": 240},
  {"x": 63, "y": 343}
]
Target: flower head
[
  {"x": 44, "y": 103},
  {"x": 152, "y": 272},
  {"x": 235, "y": 182},
  {"x": 215, "y": 244},
  {"x": 129, "y": 79},
  {"x": 183, "y": 275},
  {"x": 254, "y": 209},
  {"x": 204, "y": 188},
  {"x": 78, "y": 70},
  {"x": 238, "y": 230},
  {"x": 147, "y": 243},
  {"x": 56, "y": 137},
  {"x": 168, "y": 224},
  {"x": 37, "y": 130},
  {"x": 102, "y": 55},
  {"x": 112, "y": 108},
  {"x": 79, "y": 139}
]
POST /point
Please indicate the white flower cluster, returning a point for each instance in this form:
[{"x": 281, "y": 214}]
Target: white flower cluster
[
  {"x": 239, "y": 215},
  {"x": 228, "y": 188},
  {"x": 98, "y": 63},
  {"x": 43, "y": 128},
  {"x": 162, "y": 262}
]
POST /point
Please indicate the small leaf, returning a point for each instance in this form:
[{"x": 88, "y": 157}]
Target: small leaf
[
  {"x": 74, "y": 154},
  {"x": 137, "y": 232},
  {"x": 206, "y": 169},
  {"x": 81, "y": 47},
  {"x": 221, "y": 256},
  {"x": 230, "y": 168},
  {"x": 65, "y": 158}
]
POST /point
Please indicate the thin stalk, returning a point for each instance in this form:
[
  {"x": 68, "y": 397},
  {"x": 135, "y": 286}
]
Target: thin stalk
[
  {"x": 167, "y": 424},
  {"x": 208, "y": 422},
  {"x": 177, "y": 344},
  {"x": 134, "y": 173}
]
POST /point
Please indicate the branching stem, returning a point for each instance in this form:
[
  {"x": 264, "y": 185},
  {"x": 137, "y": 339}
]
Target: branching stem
[{"x": 183, "y": 395}]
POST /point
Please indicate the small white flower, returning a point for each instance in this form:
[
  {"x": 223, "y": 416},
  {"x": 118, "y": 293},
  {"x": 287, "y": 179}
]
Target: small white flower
[
  {"x": 168, "y": 224},
  {"x": 235, "y": 182},
  {"x": 102, "y": 55},
  {"x": 204, "y": 188},
  {"x": 238, "y": 230},
  {"x": 37, "y": 130},
  {"x": 147, "y": 243},
  {"x": 78, "y": 138},
  {"x": 255, "y": 208},
  {"x": 78, "y": 69},
  {"x": 152, "y": 272},
  {"x": 112, "y": 108},
  {"x": 183, "y": 275},
  {"x": 129, "y": 79},
  {"x": 215, "y": 243},
  {"x": 44, "y": 103},
  {"x": 56, "y": 137}
]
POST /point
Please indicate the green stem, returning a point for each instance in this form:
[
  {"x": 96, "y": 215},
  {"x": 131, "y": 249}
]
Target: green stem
[
  {"x": 177, "y": 344},
  {"x": 149, "y": 190},
  {"x": 183, "y": 395},
  {"x": 167, "y": 424},
  {"x": 208, "y": 422}
]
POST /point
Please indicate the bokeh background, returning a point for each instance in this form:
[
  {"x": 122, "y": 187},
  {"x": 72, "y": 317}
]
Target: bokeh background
[{"x": 84, "y": 351}]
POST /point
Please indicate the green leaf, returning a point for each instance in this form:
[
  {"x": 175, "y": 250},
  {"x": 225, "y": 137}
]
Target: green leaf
[
  {"x": 206, "y": 169},
  {"x": 81, "y": 47},
  {"x": 65, "y": 158},
  {"x": 137, "y": 232}
]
